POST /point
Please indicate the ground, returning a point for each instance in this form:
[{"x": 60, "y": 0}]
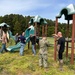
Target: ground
[{"x": 11, "y": 63}]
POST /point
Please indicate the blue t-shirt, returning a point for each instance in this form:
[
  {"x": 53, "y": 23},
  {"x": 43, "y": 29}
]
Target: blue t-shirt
[{"x": 22, "y": 39}]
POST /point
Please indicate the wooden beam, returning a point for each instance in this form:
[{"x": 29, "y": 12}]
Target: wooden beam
[
  {"x": 46, "y": 29},
  {"x": 35, "y": 26},
  {"x": 72, "y": 49},
  {"x": 29, "y": 41},
  {"x": 42, "y": 30},
  {"x": 67, "y": 35},
  {"x": 35, "y": 30},
  {"x": 55, "y": 43},
  {"x": 38, "y": 30}
]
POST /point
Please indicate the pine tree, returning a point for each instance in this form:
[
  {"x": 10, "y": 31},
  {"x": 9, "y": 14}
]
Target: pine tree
[{"x": 17, "y": 28}]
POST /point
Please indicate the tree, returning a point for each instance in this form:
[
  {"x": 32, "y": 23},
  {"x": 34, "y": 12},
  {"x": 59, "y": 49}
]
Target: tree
[
  {"x": 19, "y": 23},
  {"x": 50, "y": 31},
  {"x": 17, "y": 28}
]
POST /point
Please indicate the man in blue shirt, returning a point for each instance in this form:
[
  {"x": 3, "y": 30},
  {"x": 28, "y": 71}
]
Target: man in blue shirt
[{"x": 23, "y": 41}]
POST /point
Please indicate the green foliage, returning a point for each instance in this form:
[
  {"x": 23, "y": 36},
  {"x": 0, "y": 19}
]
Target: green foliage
[
  {"x": 20, "y": 23},
  {"x": 17, "y": 28},
  {"x": 50, "y": 30},
  {"x": 16, "y": 20}
]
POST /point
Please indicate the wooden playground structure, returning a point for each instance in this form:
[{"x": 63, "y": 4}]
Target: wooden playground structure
[
  {"x": 69, "y": 14},
  {"x": 38, "y": 23}
]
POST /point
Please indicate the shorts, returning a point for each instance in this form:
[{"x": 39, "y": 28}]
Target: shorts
[{"x": 60, "y": 55}]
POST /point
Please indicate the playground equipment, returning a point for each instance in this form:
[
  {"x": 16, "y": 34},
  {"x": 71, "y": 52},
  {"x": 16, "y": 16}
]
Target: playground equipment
[
  {"x": 4, "y": 24},
  {"x": 28, "y": 31},
  {"x": 69, "y": 13},
  {"x": 4, "y": 28},
  {"x": 38, "y": 23}
]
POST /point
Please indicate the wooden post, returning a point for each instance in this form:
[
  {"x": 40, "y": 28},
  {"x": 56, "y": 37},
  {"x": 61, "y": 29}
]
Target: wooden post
[
  {"x": 55, "y": 43},
  {"x": 35, "y": 27},
  {"x": 72, "y": 49},
  {"x": 29, "y": 41},
  {"x": 38, "y": 33},
  {"x": 38, "y": 30},
  {"x": 46, "y": 30},
  {"x": 67, "y": 39},
  {"x": 43, "y": 30},
  {"x": 35, "y": 32}
]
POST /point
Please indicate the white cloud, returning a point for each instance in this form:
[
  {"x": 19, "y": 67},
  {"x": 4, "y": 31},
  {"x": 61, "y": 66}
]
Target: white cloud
[{"x": 45, "y": 8}]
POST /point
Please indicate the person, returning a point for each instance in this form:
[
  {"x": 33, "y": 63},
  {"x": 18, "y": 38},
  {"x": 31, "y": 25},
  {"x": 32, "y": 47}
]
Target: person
[
  {"x": 16, "y": 38},
  {"x": 43, "y": 58},
  {"x": 33, "y": 41},
  {"x": 4, "y": 42},
  {"x": 60, "y": 48},
  {"x": 37, "y": 40},
  {"x": 23, "y": 41}
]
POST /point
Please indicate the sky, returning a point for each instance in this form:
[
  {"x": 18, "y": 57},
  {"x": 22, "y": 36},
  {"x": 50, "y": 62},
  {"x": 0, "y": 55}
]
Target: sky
[{"x": 45, "y": 8}]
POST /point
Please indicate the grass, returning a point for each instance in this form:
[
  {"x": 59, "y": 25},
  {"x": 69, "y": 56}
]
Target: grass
[{"x": 14, "y": 64}]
